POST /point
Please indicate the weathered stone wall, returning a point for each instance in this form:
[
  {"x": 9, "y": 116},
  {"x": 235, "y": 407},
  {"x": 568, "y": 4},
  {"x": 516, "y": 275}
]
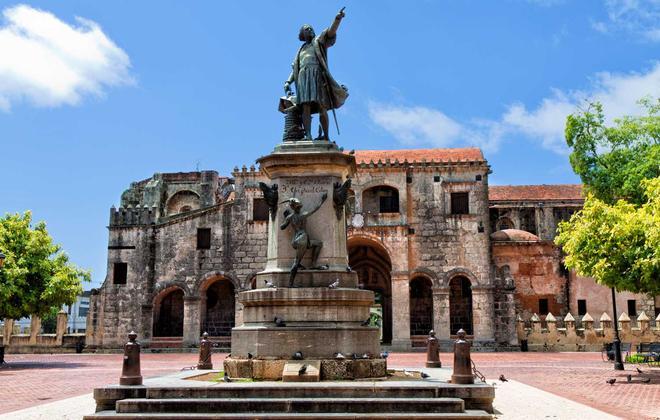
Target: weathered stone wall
[
  {"x": 154, "y": 231},
  {"x": 536, "y": 271}
]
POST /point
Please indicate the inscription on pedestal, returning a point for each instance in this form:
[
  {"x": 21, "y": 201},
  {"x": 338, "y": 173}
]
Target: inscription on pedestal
[{"x": 301, "y": 187}]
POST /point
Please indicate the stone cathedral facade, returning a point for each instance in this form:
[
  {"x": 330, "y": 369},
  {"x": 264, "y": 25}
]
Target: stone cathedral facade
[{"x": 440, "y": 248}]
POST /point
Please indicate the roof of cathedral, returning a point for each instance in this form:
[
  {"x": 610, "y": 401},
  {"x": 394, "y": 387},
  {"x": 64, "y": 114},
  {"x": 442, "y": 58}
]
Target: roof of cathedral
[
  {"x": 535, "y": 192},
  {"x": 514, "y": 235},
  {"x": 466, "y": 154}
]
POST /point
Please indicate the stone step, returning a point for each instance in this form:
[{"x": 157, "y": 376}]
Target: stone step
[
  {"x": 292, "y": 405},
  {"x": 321, "y": 390},
  {"x": 467, "y": 415},
  {"x": 166, "y": 342}
]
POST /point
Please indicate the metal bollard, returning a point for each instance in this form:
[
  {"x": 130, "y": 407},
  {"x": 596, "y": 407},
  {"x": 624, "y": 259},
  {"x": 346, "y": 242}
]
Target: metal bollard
[
  {"x": 432, "y": 351},
  {"x": 130, "y": 372},
  {"x": 205, "y": 351},
  {"x": 462, "y": 361}
]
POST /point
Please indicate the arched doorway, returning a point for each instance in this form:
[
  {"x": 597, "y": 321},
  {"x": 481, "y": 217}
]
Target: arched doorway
[
  {"x": 421, "y": 310},
  {"x": 373, "y": 266},
  {"x": 219, "y": 309},
  {"x": 168, "y": 313},
  {"x": 460, "y": 305}
]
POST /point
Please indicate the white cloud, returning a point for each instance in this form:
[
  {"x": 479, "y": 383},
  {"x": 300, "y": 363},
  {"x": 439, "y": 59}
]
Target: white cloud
[
  {"x": 49, "y": 63},
  {"x": 544, "y": 123},
  {"x": 419, "y": 125},
  {"x": 413, "y": 125},
  {"x": 618, "y": 93},
  {"x": 637, "y": 17}
]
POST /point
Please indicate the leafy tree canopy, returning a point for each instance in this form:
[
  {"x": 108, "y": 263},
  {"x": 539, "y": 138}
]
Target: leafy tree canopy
[
  {"x": 613, "y": 161},
  {"x": 618, "y": 245},
  {"x": 615, "y": 238},
  {"x": 37, "y": 275}
]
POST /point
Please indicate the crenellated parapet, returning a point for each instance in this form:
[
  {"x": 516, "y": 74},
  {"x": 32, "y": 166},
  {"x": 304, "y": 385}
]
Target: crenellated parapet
[
  {"x": 553, "y": 334},
  {"x": 133, "y": 216}
]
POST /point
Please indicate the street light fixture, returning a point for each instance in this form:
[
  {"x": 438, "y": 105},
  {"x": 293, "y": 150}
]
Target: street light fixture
[
  {"x": 2, "y": 259},
  {"x": 618, "y": 360}
]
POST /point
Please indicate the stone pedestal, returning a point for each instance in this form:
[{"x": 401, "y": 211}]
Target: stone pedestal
[{"x": 316, "y": 320}]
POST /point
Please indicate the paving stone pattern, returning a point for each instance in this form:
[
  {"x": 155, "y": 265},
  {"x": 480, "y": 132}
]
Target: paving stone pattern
[{"x": 30, "y": 380}]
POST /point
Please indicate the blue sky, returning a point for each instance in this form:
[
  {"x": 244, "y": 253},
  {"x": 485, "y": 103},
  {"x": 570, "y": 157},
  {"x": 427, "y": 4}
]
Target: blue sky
[{"x": 94, "y": 95}]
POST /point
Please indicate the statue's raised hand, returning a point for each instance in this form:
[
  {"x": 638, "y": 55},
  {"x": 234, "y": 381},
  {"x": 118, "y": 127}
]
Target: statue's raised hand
[{"x": 341, "y": 14}]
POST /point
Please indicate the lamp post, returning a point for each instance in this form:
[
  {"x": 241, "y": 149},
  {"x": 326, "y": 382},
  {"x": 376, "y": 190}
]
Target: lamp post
[{"x": 618, "y": 361}]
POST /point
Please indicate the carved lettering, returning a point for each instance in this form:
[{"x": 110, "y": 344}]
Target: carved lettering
[{"x": 298, "y": 187}]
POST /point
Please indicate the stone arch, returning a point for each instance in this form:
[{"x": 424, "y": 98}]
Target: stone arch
[
  {"x": 204, "y": 281},
  {"x": 505, "y": 223},
  {"x": 459, "y": 271},
  {"x": 182, "y": 201},
  {"x": 376, "y": 182},
  {"x": 425, "y": 272},
  {"x": 371, "y": 260},
  {"x": 217, "y": 305},
  {"x": 369, "y": 237},
  {"x": 167, "y": 284},
  {"x": 168, "y": 310}
]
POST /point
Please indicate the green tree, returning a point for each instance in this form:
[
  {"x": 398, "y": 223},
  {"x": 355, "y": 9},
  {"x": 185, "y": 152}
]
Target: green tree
[
  {"x": 613, "y": 161},
  {"x": 618, "y": 245},
  {"x": 37, "y": 275},
  {"x": 615, "y": 238}
]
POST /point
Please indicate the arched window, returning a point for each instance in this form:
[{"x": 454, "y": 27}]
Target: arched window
[
  {"x": 183, "y": 201},
  {"x": 380, "y": 199},
  {"x": 421, "y": 306},
  {"x": 168, "y": 314},
  {"x": 460, "y": 305}
]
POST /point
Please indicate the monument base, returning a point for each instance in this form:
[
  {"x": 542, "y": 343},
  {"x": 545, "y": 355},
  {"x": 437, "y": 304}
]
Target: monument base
[{"x": 330, "y": 369}]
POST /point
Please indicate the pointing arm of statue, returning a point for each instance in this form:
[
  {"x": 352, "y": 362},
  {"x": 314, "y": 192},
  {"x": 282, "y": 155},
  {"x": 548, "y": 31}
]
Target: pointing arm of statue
[{"x": 335, "y": 24}]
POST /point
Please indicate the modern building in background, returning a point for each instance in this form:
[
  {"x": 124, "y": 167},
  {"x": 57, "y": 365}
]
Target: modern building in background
[
  {"x": 76, "y": 320},
  {"x": 440, "y": 248}
]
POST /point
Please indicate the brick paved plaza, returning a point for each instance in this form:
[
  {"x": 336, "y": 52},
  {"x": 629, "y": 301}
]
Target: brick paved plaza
[{"x": 30, "y": 380}]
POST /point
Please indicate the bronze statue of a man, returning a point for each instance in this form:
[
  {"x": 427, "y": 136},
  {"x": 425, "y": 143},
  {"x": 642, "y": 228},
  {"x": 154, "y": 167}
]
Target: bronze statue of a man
[
  {"x": 301, "y": 241},
  {"x": 316, "y": 90}
]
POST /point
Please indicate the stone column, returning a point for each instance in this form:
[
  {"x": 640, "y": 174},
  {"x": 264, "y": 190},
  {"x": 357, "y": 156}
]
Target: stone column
[
  {"x": 191, "y": 320},
  {"x": 441, "y": 312},
  {"x": 35, "y": 329},
  {"x": 8, "y": 331},
  {"x": 60, "y": 328},
  {"x": 482, "y": 313},
  {"x": 401, "y": 311}
]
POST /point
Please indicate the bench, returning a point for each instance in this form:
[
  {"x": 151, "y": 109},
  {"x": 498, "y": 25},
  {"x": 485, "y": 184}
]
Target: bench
[{"x": 650, "y": 353}]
